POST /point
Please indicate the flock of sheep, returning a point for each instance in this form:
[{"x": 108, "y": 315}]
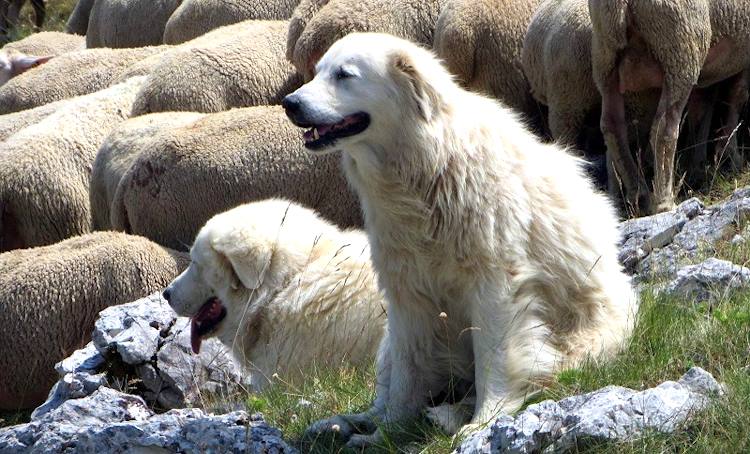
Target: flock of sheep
[{"x": 166, "y": 113}]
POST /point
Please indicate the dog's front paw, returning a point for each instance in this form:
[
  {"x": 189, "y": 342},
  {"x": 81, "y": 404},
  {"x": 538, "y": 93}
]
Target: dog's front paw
[{"x": 336, "y": 426}]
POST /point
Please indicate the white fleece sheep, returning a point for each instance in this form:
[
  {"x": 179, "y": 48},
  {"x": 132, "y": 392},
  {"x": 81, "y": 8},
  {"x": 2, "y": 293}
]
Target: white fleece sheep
[
  {"x": 45, "y": 167},
  {"x": 78, "y": 22},
  {"x": 50, "y": 297},
  {"x": 188, "y": 174},
  {"x": 480, "y": 41},
  {"x": 128, "y": 23},
  {"x": 194, "y": 18},
  {"x": 74, "y": 74},
  {"x": 410, "y": 19},
  {"x": 118, "y": 152},
  {"x": 234, "y": 66}
]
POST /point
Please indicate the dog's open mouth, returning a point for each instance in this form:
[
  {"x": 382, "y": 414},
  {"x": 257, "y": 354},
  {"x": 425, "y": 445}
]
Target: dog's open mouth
[
  {"x": 322, "y": 136},
  {"x": 205, "y": 321}
]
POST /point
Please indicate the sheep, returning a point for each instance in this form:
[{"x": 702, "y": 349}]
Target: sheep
[
  {"x": 78, "y": 22},
  {"x": 673, "y": 46},
  {"x": 234, "y": 66},
  {"x": 410, "y": 19},
  {"x": 556, "y": 59},
  {"x": 194, "y": 18},
  {"x": 118, "y": 152},
  {"x": 480, "y": 41},
  {"x": 301, "y": 15},
  {"x": 20, "y": 56},
  {"x": 188, "y": 174},
  {"x": 10, "y": 10},
  {"x": 44, "y": 169},
  {"x": 74, "y": 74},
  {"x": 128, "y": 23},
  {"x": 50, "y": 297}
]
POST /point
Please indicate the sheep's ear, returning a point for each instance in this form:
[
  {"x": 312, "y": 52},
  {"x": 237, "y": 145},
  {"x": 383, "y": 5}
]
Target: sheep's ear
[
  {"x": 425, "y": 97},
  {"x": 249, "y": 264},
  {"x": 21, "y": 63}
]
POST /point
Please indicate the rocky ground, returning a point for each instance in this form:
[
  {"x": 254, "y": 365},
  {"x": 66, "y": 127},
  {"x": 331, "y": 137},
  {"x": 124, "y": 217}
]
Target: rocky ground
[{"x": 127, "y": 390}]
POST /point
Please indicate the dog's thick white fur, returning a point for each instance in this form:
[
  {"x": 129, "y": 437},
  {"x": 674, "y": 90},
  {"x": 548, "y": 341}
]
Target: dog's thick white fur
[
  {"x": 298, "y": 293},
  {"x": 497, "y": 257}
]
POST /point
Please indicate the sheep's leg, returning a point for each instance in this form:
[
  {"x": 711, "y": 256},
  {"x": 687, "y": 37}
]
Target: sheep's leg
[
  {"x": 625, "y": 176},
  {"x": 565, "y": 124},
  {"x": 736, "y": 98},
  {"x": 40, "y": 11},
  {"x": 700, "y": 114},
  {"x": 665, "y": 131}
]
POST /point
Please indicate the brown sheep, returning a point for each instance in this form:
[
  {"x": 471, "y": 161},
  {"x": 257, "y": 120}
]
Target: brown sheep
[
  {"x": 45, "y": 167},
  {"x": 74, "y": 74},
  {"x": 673, "y": 46},
  {"x": 118, "y": 152},
  {"x": 50, "y": 297},
  {"x": 194, "y": 18},
  {"x": 410, "y": 19},
  {"x": 480, "y": 41},
  {"x": 234, "y": 66}
]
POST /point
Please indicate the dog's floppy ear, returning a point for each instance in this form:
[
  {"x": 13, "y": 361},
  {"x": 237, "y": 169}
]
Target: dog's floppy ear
[
  {"x": 248, "y": 263},
  {"x": 424, "y": 96}
]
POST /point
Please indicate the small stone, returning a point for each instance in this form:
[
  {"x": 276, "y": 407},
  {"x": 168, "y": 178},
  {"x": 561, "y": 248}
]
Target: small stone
[
  {"x": 709, "y": 278},
  {"x": 612, "y": 413}
]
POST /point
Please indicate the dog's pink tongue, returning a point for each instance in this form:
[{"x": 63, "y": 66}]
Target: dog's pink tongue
[
  {"x": 201, "y": 323},
  {"x": 195, "y": 337}
]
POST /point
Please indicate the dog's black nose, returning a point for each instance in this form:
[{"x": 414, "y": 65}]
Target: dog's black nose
[
  {"x": 166, "y": 294},
  {"x": 291, "y": 104}
]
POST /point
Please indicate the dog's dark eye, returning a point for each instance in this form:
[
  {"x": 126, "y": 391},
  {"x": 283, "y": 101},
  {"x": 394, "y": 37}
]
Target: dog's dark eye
[{"x": 342, "y": 74}]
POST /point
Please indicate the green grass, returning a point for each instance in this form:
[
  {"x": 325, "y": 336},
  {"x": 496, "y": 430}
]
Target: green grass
[
  {"x": 670, "y": 337},
  {"x": 58, "y": 12}
]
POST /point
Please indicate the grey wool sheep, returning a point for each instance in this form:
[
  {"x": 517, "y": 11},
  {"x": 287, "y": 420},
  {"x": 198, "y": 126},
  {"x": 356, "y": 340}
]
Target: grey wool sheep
[
  {"x": 234, "y": 66},
  {"x": 78, "y": 21},
  {"x": 118, "y": 152},
  {"x": 194, "y": 18},
  {"x": 50, "y": 297},
  {"x": 674, "y": 46},
  {"x": 45, "y": 167},
  {"x": 128, "y": 23},
  {"x": 74, "y": 74},
  {"x": 188, "y": 174},
  {"x": 480, "y": 41},
  {"x": 410, "y": 19}
]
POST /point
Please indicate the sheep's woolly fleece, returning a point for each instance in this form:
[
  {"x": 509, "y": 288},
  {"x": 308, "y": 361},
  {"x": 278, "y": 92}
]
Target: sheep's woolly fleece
[
  {"x": 50, "y": 297},
  {"x": 45, "y": 167},
  {"x": 74, "y": 74},
  {"x": 194, "y": 18},
  {"x": 188, "y": 174},
  {"x": 238, "y": 65}
]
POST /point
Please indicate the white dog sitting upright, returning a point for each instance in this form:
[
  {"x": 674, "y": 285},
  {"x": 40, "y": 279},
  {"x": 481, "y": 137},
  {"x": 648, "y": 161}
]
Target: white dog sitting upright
[
  {"x": 497, "y": 257},
  {"x": 284, "y": 289}
]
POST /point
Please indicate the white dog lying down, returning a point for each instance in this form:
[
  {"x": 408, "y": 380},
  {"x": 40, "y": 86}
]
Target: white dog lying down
[
  {"x": 497, "y": 257},
  {"x": 284, "y": 289}
]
